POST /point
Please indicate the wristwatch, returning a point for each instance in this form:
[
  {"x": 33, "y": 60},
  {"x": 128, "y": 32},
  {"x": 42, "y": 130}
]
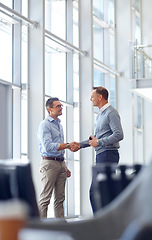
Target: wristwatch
[
  {"x": 97, "y": 142},
  {"x": 68, "y": 146}
]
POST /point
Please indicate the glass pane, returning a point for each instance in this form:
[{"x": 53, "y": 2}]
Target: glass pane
[
  {"x": 24, "y": 50},
  {"x": 24, "y": 129},
  {"x": 98, "y": 78},
  {"x": 76, "y": 131},
  {"x": 25, "y": 8},
  {"x": 75, "y": 24},
  {"x": 138, "y": 119},
  {"x": 137, "y": 29},
  {"x": 77, "y": 187},
  {"x": 111, "y": 12},
  {"x": 76, "y": 100},
  {"x": 138, "y": 147},
  {"x": 138, "y": 129},
  {"x": 8, "y": 3},
  {"x": 147, "y": 68},
  {"x": 136, "y": 4},
  {"x": 72, "y": 201},
  {"x": 112, "y": 92},
  {"x": 5, "y": 49},
  {"x": 55, "y": 19},
  {"x": 76, "y": 77},
  {"x": 55, "y": 72},
  {"x": 98, "y": 8},
  {"x": 112, "y": 51},
  {"x": 136, "y": 21},
  {"x": 98, "y": 42}
]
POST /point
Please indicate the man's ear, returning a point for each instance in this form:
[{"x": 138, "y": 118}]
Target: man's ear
[
  {"x": 49, "y": 109},
  {"x": 100, "y": 97}
]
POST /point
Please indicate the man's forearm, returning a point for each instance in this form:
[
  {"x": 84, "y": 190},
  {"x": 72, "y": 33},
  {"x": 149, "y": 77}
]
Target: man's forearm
[
  {"x": 62, "y": 146},
  {"x": 84, "y": 144}
]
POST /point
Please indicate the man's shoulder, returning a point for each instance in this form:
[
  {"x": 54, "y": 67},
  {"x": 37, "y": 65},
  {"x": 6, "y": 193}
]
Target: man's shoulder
[
  {"x": 45, "y": 122},
  {"x": 110, "y": 108},
  {"x": 111, "y": 111}
]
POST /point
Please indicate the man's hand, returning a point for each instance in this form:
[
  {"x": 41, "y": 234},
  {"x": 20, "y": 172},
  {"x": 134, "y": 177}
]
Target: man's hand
[
  {"x": 93, "y": 141},
  {"x": 74, "y": 146},
  {"x": 68, "y": 173}
]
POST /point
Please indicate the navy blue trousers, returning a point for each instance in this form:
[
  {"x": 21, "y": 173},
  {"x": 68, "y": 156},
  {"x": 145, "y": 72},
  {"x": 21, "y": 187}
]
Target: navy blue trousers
[{"x": 108, "y": 156}]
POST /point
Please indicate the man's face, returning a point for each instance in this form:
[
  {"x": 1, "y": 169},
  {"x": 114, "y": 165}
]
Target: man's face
[
  {"x": 56, "y": 110},
  {"x": 95, "y": 98}
]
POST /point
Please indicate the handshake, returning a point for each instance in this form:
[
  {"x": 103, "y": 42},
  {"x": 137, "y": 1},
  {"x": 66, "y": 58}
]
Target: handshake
[{"x": 74, "y": 146}]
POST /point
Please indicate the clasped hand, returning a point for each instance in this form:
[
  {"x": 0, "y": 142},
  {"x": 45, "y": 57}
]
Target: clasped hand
[
  {"x": 74, "y": 146},
  {"x": 93, "y": 141}
]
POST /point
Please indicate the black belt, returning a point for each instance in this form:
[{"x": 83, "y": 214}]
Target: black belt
[{"x": 54, "y": 158}]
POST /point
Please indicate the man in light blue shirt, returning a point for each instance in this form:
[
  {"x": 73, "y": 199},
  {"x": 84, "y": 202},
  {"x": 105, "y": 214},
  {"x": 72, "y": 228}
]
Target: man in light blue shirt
[
  {"x": 108, "y": 132},
  {"x": 53, "y": 169}
]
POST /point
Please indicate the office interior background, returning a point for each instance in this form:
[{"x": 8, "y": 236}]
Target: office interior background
[{"x": 64, "y": 48}]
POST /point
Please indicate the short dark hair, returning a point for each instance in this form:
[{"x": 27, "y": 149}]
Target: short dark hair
[
  {"x": 50, "y": 101},
  {"x": 102, "y": 91}
]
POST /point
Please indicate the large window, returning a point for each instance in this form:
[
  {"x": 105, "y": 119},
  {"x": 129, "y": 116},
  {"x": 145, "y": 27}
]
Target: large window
[
  {"x": 104, "y": 46},
  {"x": 62, "y": 81},
  {"x": 10, "y": 77},
  {"x": 55, "y": 17},
  {"x": 58, "y": 46},
  {"x": 55, "y": 70},
  {"x": 138, "y": 72},
  {"x": 5, "y": 48}
]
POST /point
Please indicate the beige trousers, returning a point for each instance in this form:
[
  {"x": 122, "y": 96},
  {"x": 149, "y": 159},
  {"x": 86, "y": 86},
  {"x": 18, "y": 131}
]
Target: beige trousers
[{"x": 53, "y": 178}]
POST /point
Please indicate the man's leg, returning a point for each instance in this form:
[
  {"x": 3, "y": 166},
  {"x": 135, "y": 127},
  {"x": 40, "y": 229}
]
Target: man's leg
[
  {"x": 49, "y": 170},
  {"x": 59, "y": 192}
]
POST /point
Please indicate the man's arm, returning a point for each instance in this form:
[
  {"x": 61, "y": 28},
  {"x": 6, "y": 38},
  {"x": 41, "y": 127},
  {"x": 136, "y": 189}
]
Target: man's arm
[
  {"x": 63, "y": 146},
  {"x": 84, "y": 144},
  {"x": 73, "y": 146},
  {"x": 116, "y": 129}
]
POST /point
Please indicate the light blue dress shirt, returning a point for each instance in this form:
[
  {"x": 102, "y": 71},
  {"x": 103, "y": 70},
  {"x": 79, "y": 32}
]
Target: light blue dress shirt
[{"x": 50, "y": 135}]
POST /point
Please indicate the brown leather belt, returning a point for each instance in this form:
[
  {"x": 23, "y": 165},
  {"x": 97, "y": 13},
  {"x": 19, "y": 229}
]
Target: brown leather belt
[{"x": 54, "y": 158}]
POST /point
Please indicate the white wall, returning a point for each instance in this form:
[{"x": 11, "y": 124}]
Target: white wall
[
  {"x": 86, "y": 113},
  {"x": 147, "y": 131},
  {"x": 147, "y": 40},
  {"x": 124, "y": 97},
  {"x": 36, "y": 86}
]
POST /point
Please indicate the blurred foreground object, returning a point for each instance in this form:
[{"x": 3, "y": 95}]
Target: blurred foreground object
[
  {"x": 16, "y": 183},
  {"x": 133, "y": 204},
  {"x": 13, "y": 215},
  {"x": 36, "y": 234},
  {"x": 109, "y": 180}
]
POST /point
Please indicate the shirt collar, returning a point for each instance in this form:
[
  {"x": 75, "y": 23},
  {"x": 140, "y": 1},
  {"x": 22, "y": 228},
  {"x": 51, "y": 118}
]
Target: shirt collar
[
  {"x": 52, "y": 119},
  {"x": 104, "y": 107}
]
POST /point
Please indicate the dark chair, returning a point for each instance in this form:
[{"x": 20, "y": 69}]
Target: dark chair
[
  {"x": 133, "y": 204},
  {"x": 16, "y": 183},
  {"x": 109, "y": 180}
]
